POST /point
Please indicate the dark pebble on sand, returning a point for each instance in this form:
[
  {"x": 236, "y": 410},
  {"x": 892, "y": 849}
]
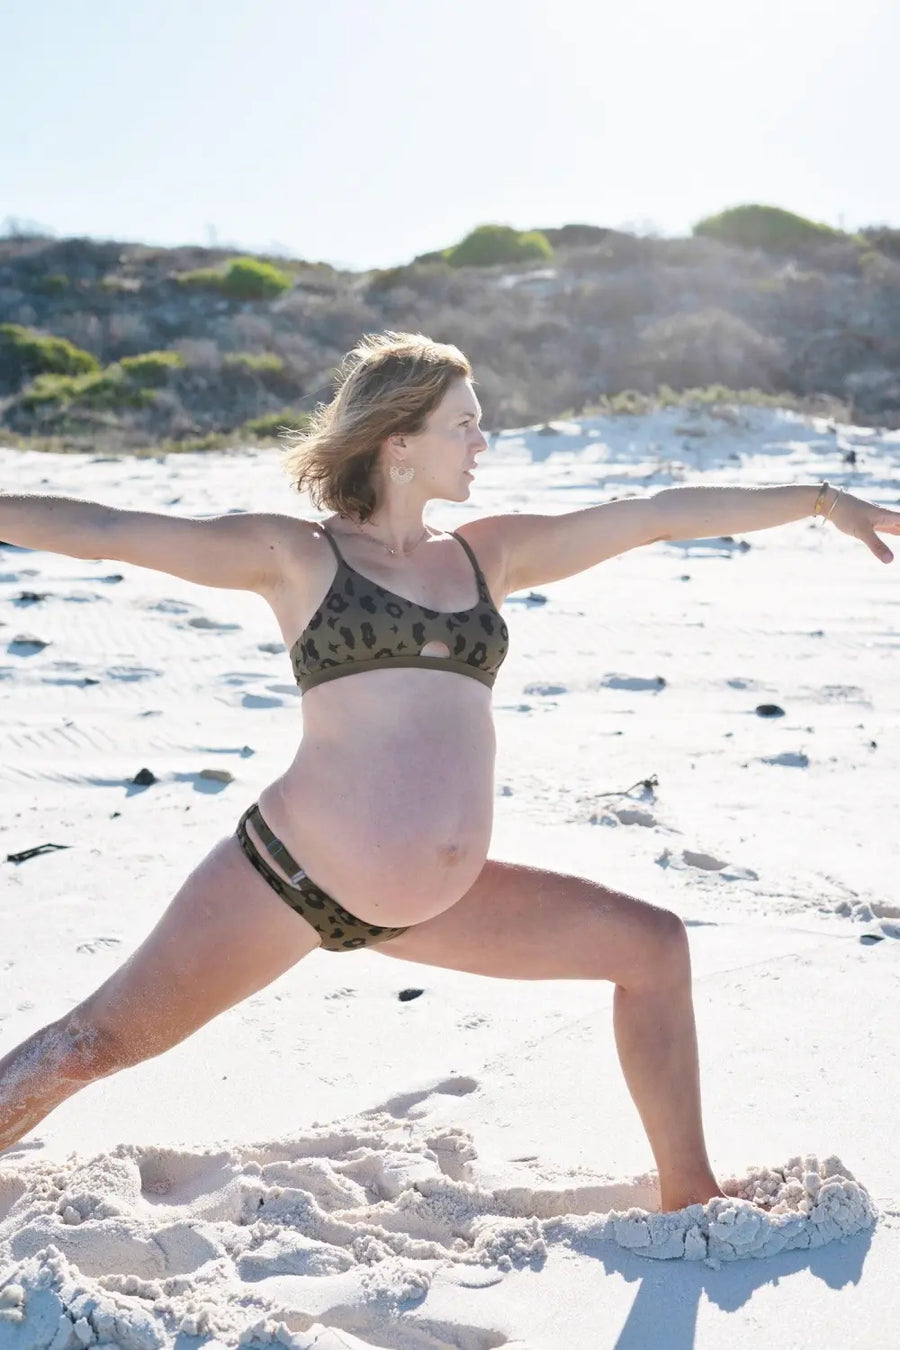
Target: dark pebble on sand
[
  {"x": 769, "y": 710},
  {"x": 406, "y": 994},
  {"x": 144, "y": 778}
]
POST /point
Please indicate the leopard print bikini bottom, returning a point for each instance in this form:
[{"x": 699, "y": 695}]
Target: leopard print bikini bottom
[{"x": 339, "y": 930}]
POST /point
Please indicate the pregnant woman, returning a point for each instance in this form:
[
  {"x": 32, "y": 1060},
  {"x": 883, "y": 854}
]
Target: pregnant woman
[{"x": 377, "y": 834}]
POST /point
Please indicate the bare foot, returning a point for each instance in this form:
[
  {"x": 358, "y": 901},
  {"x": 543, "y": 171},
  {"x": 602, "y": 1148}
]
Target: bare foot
[{"x": 680, "y": 1198}]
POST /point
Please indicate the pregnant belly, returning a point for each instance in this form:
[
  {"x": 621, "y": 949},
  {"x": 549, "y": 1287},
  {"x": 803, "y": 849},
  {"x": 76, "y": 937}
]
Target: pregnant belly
[{"x": 395, "y": 838}]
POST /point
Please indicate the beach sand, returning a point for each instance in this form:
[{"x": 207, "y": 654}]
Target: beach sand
[{"x": 333, "y": 1165}]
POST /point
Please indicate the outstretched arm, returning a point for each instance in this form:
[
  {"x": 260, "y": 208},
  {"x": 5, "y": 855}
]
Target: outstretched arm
[
  {"x": 541, "y": 549},
  {"x": 237, "y": 552},
  {"x": 698, "y": 512}
]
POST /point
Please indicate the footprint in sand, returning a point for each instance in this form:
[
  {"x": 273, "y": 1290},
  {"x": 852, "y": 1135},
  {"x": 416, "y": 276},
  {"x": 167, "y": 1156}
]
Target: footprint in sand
[
  {"x": 633, "y": 682},
  {"x": 130, "y": 674},
  {"x": 404, "y": 1104},
  {"x": 706, "y": 862},
  {"x": 239, "y": 677},
  {"x": 632, "y": 816},
  {"x": 98, "y": 944},
  {"x": 213, "y": 625},
  {"x": 75, "y": 681},
  {"x": 261, "y": 701},
  {"x": 883, "y": 918},
  {"x": 26, "y": 644},
  {"x": 165, "y": 606}
]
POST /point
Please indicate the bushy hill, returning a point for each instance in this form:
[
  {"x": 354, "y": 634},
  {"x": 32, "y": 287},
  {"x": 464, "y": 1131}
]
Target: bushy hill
[{"x": 108, "y": 344}]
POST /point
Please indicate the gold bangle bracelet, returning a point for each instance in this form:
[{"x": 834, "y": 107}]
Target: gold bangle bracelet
[
  {"x": 821, "y": 497},
  {"x": 834, "y": 503}
]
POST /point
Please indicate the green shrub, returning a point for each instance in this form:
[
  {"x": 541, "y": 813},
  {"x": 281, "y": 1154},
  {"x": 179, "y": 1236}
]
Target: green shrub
[
  {"x": 576, "y": 236},
  {"x": 716, "y": 398},
  {"x": 25, "y": 353},
  {"x": 151, "y": 368},
  {"x": 242, "y": 279},
  {"x": 52, "y": 284},
  {"x": 213, "y": 440},
  {"x": 883, "y": 237},
  {"x": 249, "y": 279},
  {"x": 208, "y": 277},
  {"x": 628, "y": 401},
  {"x": 765, "y": 227},
  {"x": 259, "y": 363},
  {"x": 490, "y": 244},
  {"x": 269, "y": 425},
  {"x": 108, "y": 390},
  {"x": 118, "y": 284},
  {"x": 386, "y": 278},
  {"x": 879, "y": 269}
]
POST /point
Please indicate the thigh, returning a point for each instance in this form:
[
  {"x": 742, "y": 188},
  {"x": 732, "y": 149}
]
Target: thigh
[
  {"x": 524, "y": 923},
  {"x": 225, "y": 935}
]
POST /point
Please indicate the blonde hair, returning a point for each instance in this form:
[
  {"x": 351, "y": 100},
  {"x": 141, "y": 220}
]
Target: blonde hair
[{"x": 388, "y": 384}]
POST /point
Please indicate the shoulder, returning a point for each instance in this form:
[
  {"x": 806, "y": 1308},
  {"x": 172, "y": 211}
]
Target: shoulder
[
  {"x": 295, "y": 535},
  {"x": 488, "y": 537},
  {"x": 298, "y": 549}
]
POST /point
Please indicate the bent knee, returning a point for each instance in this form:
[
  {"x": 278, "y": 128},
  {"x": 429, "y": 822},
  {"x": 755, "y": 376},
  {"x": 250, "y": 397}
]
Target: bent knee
[
  {"x": 668, "y": 949},
  {"x": 654, "y": 950}
]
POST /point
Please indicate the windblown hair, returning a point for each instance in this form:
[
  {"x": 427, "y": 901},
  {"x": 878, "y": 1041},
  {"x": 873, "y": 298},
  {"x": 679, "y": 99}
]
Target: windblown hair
[{"x": 388, "y": 384}]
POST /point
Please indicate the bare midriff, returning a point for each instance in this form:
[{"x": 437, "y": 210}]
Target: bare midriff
[{"x": 388, "y": 802}]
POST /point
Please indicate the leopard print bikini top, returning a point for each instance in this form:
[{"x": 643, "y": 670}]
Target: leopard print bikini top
[{"x": 361, "y": 626}]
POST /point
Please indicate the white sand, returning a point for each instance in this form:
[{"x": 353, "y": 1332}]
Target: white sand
[{"x": 328, "y": 1166}]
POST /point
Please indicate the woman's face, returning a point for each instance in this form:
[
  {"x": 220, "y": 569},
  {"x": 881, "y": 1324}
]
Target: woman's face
[{"x": 443, "y": 453}]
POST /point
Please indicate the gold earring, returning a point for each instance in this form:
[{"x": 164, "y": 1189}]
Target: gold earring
[{"x": 405, "y": 475}]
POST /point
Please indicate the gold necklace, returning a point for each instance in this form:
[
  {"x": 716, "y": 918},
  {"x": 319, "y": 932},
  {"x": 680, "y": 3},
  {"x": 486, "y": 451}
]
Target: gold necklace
[{"x": 394, "y": 552}]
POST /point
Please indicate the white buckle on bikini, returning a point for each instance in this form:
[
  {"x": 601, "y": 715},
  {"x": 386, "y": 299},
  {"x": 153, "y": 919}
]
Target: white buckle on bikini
[{"x": 278, "y": 847}]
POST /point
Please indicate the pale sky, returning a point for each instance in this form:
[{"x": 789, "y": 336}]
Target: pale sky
[{"x": 363, "y": 132}]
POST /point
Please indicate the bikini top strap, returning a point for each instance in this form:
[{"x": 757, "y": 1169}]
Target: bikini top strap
[
  {"x": 483, "y": 586},
  {"x": 337, "y": 552}
]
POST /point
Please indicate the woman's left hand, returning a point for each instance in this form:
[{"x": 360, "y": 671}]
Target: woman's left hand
[{"x": 859, "y": 518}]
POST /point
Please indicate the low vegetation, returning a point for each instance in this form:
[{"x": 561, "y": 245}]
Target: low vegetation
[
  {"x": 133, "y": 348},
  {"x": 25, "y": 353},
  {"x": 240, "y": 279}
]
